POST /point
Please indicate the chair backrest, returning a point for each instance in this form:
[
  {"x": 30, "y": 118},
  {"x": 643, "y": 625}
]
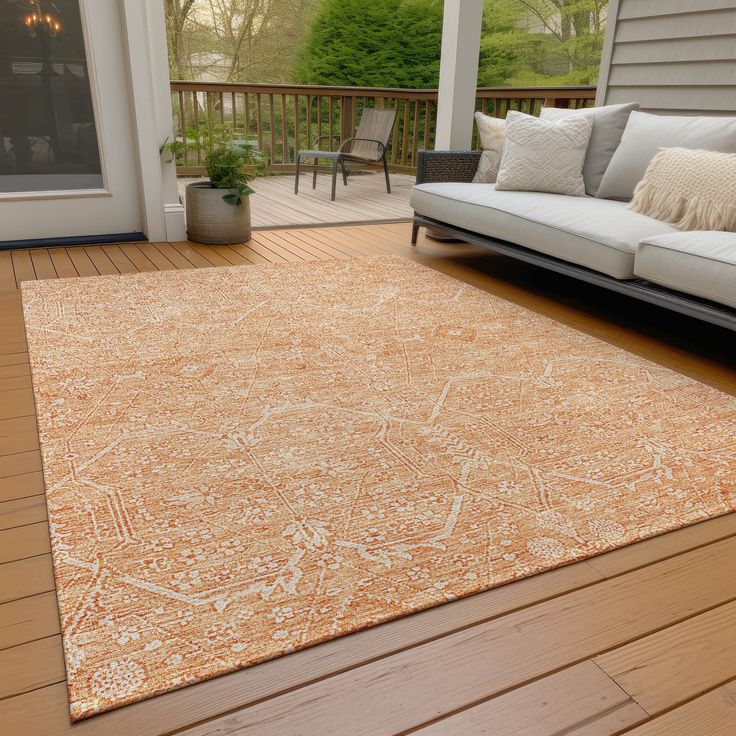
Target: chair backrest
[{"x": 376, "y": 124}]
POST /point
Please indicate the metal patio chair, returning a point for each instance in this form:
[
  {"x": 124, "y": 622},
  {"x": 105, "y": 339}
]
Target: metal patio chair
[{"x": 369, "y": 146}]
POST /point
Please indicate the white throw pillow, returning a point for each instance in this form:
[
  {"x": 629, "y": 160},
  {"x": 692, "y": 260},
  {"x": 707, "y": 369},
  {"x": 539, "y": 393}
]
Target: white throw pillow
[
  {"x": 492, "y": 133},
  {"x": 609, "y": 123},
  {"x": 645, "y": 134},
  {"x": 543, "y": 155}
]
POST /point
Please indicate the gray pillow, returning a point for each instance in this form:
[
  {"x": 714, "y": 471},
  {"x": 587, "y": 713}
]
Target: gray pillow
[
  {"x": 608, "y": 127},
  {"x": 645, "y": 134}
]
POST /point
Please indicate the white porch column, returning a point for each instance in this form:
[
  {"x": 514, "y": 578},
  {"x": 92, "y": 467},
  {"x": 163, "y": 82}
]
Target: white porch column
[
  {"x": 461, "y": 31},
  {"x": 145, "y": 30}
]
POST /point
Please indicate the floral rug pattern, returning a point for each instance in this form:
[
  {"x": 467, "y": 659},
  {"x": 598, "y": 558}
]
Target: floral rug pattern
[{"x": 244, "y": 462}]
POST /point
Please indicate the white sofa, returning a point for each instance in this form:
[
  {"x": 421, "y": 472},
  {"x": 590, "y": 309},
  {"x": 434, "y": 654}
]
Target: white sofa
[{"x": 598, "y": 240}]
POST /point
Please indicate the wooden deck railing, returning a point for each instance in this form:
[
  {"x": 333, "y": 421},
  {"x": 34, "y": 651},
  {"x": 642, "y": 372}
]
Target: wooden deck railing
[{"x": 284, "y": 118}]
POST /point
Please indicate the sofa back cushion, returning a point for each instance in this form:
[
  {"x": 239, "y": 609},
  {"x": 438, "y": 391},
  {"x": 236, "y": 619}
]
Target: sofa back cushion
[
  {"x": 544, "y": 156},
  {"x": 645, "y": 134},
  {"x": 609, "y": 123}
]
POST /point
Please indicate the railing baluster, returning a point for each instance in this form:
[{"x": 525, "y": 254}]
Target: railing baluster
[
  {"x": 183, "y": 126},
  {"x": 343, "y": 118},
  {"x": 395, "y": 136},
  {"x": 259, "y": 122},
  {"x": 415, "y": 135},
  {"x": 330, "y": 123},
  {"x": 309, "y": 121},
  {"x": 319, "y": 120},
  {"x": 405, "y": 133},
  {"x": 284, "y": 132},
  {"x": 427, "y": 122},
  {"x": 196, "y": 127},
  {"x": 296, "y": 124},
  {"x": 272, "y": 127}
]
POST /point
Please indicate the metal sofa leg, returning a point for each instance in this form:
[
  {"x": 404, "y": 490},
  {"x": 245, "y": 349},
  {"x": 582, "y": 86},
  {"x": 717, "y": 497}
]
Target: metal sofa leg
[
  {"x": 334, "y": 179},
  {"x": 385, "y": 172},
  {"x": 414, "y": 232},
  {"x": 314, "y": 174}
]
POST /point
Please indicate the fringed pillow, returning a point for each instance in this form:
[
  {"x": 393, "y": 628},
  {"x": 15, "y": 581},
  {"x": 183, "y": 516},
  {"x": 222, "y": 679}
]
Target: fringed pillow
[{"x": 692, "y": 189}]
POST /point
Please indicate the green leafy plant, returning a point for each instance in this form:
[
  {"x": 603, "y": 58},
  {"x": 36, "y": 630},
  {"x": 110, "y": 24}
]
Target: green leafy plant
[
  {"x": 230, "y": 162},
  {"x": 227, "y": 169}
]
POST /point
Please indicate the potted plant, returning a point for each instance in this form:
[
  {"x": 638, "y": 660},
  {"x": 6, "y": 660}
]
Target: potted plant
[{"x": 218, "y": 210}]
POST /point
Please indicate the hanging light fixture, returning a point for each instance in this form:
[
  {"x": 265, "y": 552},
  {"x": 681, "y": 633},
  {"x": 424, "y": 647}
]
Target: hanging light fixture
[{"x": 39, "y": 22}]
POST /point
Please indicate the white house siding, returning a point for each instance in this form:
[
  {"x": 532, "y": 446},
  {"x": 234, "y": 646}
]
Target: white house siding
[{"x": 671, "y": 56}]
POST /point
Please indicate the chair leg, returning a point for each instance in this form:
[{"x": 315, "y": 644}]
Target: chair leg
[
  {"x": 344, "y": 173},
  {"x": 334, "y": 179},
  {"x": 385, "y": 171},
  {"x": 414, "y": 232},
  {"x": 314, "y": 175},
  {"x": 296, "y": 178}
]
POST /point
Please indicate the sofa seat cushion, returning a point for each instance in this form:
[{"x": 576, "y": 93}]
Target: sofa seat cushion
[
  {"x": 596, "y": 233},
  {"x": 701, "y": 263}
]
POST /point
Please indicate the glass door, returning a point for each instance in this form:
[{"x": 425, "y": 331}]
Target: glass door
[{"x": 62, "y": 83}]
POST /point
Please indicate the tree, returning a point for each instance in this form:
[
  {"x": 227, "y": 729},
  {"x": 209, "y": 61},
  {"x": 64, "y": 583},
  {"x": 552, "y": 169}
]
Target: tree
[
  {"x": 258, "y": 37},
  {"x": 504, "y": 43},
  {"x": 373, "y": 43},
  {"x": 542, "y": 42},
  {"x": 382, "y": 43},
  {"x": 235, "y": 40},
  {"x": 177, "y": 15}
]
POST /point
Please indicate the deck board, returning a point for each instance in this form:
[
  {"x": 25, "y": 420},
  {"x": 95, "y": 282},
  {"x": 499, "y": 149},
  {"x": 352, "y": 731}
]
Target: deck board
[
  {"x": 62, "y": 263},
  {"x": 364, "y": 199},
  {"x": 42, "y": 264},
  {"x": 122, "y": 263},
  {"x": 24, "y": 541},
  {"x": 584, "y": 649},
  {"x": 676, "y": 664},
  {"x": 579, "y": 700},
  {"x": 712, "y": 714}
]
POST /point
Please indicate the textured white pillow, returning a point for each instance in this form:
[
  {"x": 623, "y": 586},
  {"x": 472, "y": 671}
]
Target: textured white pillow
[
  {"x": 609, "y": 123},
  {"x": 492, "y": 132},
  {"x": 543, "y": 155}
]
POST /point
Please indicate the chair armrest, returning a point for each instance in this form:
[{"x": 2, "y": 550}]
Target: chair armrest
[
  {"x": 438, "y": 166},
  {"x": 318, "y": 140},
  {"x": 349, "y": 144}
]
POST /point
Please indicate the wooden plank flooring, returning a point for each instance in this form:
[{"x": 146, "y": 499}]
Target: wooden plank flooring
[
  {"x": 639, "y": 641},
  {"x": 364, "y": 199}
]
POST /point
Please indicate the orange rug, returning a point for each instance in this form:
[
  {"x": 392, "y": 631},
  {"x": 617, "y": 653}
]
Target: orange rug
[{"x": 244, "y": 462}]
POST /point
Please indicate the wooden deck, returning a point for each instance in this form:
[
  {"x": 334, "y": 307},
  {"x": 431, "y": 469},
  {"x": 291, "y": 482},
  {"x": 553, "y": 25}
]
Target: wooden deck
[
  {"x": 363, "y": 200},
  {"x": 640, "y": 641}
]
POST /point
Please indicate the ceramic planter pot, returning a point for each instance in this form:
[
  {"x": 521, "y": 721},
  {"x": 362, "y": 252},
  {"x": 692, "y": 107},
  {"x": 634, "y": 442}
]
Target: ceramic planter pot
[{"x": 211, "y": 220}]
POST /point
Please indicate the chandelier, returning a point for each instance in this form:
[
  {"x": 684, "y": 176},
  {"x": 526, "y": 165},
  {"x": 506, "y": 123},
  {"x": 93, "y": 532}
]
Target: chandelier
[{"x": 38, "y": 21}]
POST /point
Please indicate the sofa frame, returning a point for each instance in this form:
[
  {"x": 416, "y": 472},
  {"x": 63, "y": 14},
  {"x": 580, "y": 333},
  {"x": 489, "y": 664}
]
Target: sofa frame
[{"x": 460, "y": 166}]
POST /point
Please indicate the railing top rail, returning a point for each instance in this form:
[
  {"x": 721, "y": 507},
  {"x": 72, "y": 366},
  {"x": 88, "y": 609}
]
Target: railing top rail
[{"x": 580, "y": 92}]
